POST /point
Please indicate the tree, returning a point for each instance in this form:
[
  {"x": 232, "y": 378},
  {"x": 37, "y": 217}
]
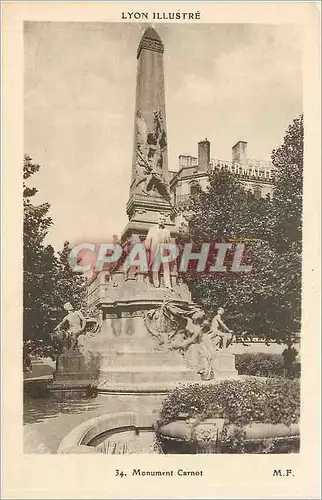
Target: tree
[
  {"x": 71, "y": 285},
  {"x": 39, "y": 264},
  {"x": 286, "y": 230},
  {"x": 288, "y": 193},
  {"x": 267, "y": 300},
  {"x": 48, "y": 281},
  {"x": 228, "y": 213}
]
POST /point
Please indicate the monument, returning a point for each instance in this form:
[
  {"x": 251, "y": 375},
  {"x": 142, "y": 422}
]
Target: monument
[{"x": 148, "y": 322}]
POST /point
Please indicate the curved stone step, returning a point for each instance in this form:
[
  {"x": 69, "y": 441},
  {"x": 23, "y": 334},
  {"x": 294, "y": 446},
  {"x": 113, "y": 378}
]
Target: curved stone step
[
  {"x": 148, "y": 374},
  {"x": 145, "y": 388}
]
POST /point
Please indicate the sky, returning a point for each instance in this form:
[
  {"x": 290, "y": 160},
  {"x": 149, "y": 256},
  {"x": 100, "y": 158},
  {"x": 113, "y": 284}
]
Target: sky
[{"x": 226, "y": 82}]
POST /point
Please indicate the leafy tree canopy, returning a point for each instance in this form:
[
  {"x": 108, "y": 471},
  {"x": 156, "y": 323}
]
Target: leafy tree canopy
[
  {"x": 266, "y": 301},
  {"x": 48, "y": 281}
]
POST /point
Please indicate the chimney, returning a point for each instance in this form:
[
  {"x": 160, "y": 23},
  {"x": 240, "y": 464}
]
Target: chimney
[
  {"x": 203, "y": 155},
  {"x": 240, "y": 152}
]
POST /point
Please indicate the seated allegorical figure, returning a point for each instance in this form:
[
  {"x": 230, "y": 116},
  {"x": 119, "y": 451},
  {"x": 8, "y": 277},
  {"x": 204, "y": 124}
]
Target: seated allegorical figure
[
  {"x": 220, "y": 333},
  {"x": 70, "y": 328},
  {"x": 73, "y": 328},
  {"x": 197, "y": 346}
]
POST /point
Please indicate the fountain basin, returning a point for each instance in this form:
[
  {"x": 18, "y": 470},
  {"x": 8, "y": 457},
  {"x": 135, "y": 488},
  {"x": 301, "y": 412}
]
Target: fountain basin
[{"x": 115, "y": 433}]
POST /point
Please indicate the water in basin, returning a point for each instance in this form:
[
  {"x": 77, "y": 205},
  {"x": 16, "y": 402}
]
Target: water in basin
[{"x": 47, "y": 420}]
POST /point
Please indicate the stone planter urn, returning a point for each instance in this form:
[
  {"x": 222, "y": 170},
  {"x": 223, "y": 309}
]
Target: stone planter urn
[{"x": 192, "y": 436}]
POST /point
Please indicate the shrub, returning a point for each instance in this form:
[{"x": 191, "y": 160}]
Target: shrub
[
  {"x": 259, "y": 364},
  {"x": 266, "y": 365},
  {"x": 240, "y": 402}
]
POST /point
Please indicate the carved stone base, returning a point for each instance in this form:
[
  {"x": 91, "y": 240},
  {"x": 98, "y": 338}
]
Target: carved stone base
[
  {"x": 74, "y": 374},
  {"x": 136, "y": 365},
  {"x": 70, "y": 365},
  {"x": 144, "y": 211},
  {"x": 130, "y": 359},
  {"x": 224, "y": 365}
]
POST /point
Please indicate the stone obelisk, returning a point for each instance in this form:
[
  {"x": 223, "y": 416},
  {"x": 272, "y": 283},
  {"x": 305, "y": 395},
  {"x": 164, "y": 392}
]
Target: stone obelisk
[{"x": 149, "y": 189}]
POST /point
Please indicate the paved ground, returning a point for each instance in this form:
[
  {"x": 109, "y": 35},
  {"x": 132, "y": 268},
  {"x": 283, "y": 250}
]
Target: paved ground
[{"x": 40, "y": 368}]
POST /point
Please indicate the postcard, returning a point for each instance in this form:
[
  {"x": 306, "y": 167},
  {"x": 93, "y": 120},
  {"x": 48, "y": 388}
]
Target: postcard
[{"x": 161, "y": 250}]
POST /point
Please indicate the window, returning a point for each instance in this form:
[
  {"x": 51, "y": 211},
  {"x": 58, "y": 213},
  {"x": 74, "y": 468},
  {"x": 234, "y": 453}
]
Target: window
[
  {"x": 257, "y": 192},
  {"x": 194, "y": 188}
]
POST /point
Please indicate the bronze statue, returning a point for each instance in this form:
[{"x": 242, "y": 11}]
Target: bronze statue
[{"x": 157, "y": 236}]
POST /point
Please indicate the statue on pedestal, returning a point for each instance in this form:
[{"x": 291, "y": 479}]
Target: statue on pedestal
[
  {"x": 72, "y": 329},
  {"x": 221, "y": 334},
  {"x": 157, "y": 236}
]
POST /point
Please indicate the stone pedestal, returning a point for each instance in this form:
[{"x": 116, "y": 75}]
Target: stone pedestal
[
  {"x": 74, "y": 375},
  {"x": 135, "y": 365},
  {"x": 130, "y": 360},
  {"x": 224, "y": 365}
]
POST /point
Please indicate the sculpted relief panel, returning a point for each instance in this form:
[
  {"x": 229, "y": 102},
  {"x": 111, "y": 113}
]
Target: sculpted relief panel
[
  {"x": 183, "y": 326},
  {"x": 151, "y": 146}
]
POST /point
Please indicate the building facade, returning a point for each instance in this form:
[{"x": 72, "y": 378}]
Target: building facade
[{"x": 256, "y": 176}]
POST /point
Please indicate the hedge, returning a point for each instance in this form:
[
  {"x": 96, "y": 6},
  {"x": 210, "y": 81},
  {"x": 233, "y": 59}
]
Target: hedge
[
  {"x": 271, "y": 400},
  {"x": 264, "y": 365}
]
